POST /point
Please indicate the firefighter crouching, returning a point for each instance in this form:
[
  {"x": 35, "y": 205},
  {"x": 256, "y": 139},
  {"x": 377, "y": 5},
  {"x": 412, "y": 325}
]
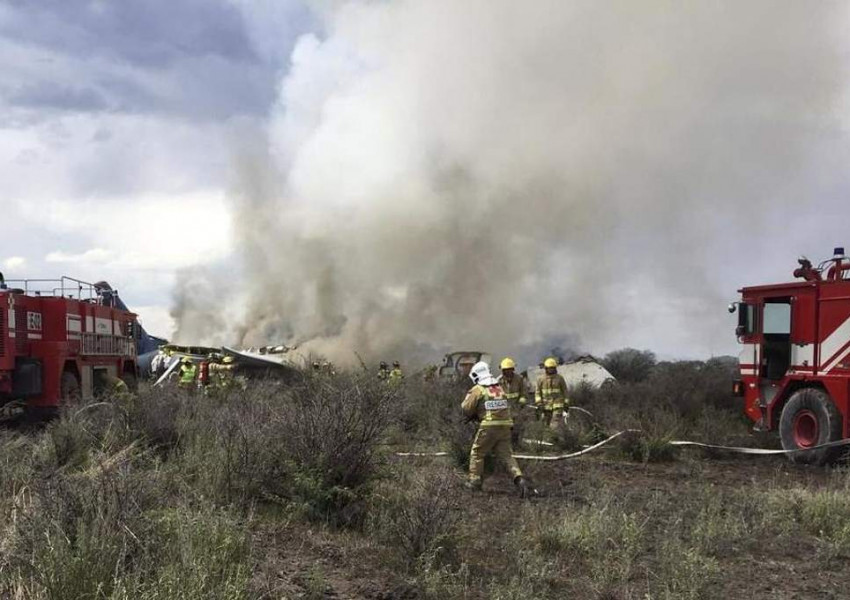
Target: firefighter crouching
[
  {"x": 383, "y": 371},
  {"x": 486, "y": 403},
  {"x": 551, "y": 396}
]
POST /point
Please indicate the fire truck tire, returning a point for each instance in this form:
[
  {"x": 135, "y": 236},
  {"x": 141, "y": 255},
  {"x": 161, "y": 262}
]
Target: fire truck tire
[
  {"x": 69, "y": 388},
  {"x": 810, "y": 419}
]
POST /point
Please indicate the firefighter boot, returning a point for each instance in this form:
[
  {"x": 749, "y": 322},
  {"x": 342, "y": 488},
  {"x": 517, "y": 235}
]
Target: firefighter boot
[
  {"x": 473, "y": 484},
  {"x": 526, "y": 489}
]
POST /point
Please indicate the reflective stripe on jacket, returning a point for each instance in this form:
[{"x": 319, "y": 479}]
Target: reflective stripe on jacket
[
  {"x": 489, "y": 405},
  {"x": 515, "y": 389},
  {"x": 551, "y": 392},
  {"x": 187, "y": 373}
]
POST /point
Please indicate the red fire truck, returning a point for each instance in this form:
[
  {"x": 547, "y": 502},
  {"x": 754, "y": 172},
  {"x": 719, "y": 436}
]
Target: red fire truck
[
  {"x": 795, "y": 361},
  {"x": 60, "y": 340}
]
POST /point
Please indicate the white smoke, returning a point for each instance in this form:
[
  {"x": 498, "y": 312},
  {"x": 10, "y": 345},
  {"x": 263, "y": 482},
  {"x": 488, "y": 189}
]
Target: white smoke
[{"x": 491, "y": 173}]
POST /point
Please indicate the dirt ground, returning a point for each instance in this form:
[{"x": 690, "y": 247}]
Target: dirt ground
[{"x": 316, "y": 563}]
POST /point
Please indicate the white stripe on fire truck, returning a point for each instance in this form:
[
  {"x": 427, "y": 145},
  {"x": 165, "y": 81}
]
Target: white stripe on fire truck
[
  {"x": 748, "y": 359},
  {"x": 838, "y": 359},
  {"x": 34, "y": 336},
  {"x": 832, "y": 347}
]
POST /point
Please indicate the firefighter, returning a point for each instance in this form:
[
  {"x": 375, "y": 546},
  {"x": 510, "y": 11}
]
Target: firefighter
[
  {"x": 222, "y": 373},
  {"x": 514, "y": 387},
  {"x": 188, "y": 372},
  {"x": 550, "y": 398},
  {"x": 396, "y": 375},
  {"x": 486, "y": 403},
  {"x": 113, "y": 386},
  {"x": 383, "y": 371}
]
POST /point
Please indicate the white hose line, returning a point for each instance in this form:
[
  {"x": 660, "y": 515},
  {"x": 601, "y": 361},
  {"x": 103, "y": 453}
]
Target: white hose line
[
  {"x": 735, "y": 449},
  {"x": 759, "y": 451},
  {"x": 574, "y": 454},
  {"x": 421, "y": 453}
]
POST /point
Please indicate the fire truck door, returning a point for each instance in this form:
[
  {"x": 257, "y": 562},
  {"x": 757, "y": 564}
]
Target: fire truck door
[{"x": 776, "y": 338}]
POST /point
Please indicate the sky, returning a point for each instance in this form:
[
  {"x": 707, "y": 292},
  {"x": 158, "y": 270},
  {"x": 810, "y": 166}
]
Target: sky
[
  {"x": 125, "y": 126},
  {"x": 115, "y": 120}
]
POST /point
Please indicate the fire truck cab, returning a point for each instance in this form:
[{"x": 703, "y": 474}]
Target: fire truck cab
[
  {"x": 61, "y": 340},
  {"x": 795, "y": 357}
]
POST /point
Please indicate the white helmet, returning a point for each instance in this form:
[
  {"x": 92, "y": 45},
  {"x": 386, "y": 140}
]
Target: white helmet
[{"x": 480, "y": 374}]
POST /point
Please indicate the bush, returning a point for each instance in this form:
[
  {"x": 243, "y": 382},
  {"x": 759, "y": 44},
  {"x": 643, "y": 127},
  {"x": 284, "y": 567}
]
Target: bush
[
  {"x": 419, "y": 515},
  {"x": 629, "y": 365},
  {"x": 647, "y": 448},
  {"x": 329, "y": 429}
]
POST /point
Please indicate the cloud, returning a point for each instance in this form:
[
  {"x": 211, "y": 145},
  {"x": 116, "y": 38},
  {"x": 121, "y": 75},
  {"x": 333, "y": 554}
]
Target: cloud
[
  {"x": 155, "y": 232},
  {"x": 14, "y": 263},
  {"x": 194, "y": 59},
  {"x": 116, "y": 122},
  {"x": 95, "y": 255}
]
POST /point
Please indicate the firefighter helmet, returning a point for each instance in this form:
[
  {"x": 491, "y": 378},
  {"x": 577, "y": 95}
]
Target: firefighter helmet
[
  {"x": 396, "y": 363},
  {"x": 507, "y": 363},
  {"x": 480, "y": 374},
  {"x": 383, "y": 365},
  {"x": 227, "y": 360},
  {"x": 550, "y": 363}
]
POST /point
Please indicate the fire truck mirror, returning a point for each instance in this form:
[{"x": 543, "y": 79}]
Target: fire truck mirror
[{"x": 746, "y": 320}]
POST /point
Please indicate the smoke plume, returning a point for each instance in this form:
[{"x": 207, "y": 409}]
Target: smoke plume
[{"x": 491, "y": 173}]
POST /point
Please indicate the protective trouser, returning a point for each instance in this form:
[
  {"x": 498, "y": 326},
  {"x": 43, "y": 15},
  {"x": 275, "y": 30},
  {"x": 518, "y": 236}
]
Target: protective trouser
[{"x": 495, "y": 440}]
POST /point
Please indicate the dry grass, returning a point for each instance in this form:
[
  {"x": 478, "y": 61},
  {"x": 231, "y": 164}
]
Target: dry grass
[{"x": 293, "y": 491}]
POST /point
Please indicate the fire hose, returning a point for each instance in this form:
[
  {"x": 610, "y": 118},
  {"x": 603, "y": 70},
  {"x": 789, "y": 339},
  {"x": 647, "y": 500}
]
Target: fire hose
[
  {"x": 735, "y": 449},
  {"x": 680, "y": 443}
]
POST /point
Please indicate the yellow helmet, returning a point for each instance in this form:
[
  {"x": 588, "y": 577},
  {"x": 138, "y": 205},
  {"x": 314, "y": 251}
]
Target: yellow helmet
[
  {"x": 185, "y": 360},
  {"x": 550, "y": 363},
  {"x": 507, "y": 363},
  {"x": 227, "y": 360}
]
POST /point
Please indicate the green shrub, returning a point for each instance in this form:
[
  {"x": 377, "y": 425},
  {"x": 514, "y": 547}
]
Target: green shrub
[
  {"x": 641, "y": 447},
  {"x": 419, "y": 514}
]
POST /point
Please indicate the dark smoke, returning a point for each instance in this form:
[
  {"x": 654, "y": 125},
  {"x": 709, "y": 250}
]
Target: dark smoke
[{"x": 490, "y": 174}]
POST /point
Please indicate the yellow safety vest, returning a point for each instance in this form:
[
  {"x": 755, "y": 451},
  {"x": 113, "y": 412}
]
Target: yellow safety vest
[{"x": 187, "y": 374}]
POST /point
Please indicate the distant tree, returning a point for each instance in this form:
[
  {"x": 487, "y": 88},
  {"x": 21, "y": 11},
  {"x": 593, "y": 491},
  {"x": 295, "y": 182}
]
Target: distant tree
[{"x": 629, "y": 365}]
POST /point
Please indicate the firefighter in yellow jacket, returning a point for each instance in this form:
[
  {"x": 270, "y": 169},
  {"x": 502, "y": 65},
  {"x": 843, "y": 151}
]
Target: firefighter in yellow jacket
[
  {"x": 486, "y": 403},
  {"x": 550, "y": 398},
  {"x": 188, "y": 373},
  {"x": 515, "y": 388},
  {"x": 513, "y": 385}
]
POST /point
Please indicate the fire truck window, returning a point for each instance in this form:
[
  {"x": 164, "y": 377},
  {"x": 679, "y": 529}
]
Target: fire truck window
[{"x": 777, "y": 319}]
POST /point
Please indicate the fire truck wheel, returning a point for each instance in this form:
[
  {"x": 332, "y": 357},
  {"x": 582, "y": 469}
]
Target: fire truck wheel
[
  {"x": 810, "y": 419},
  {"x": 69, "y": 388}
]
